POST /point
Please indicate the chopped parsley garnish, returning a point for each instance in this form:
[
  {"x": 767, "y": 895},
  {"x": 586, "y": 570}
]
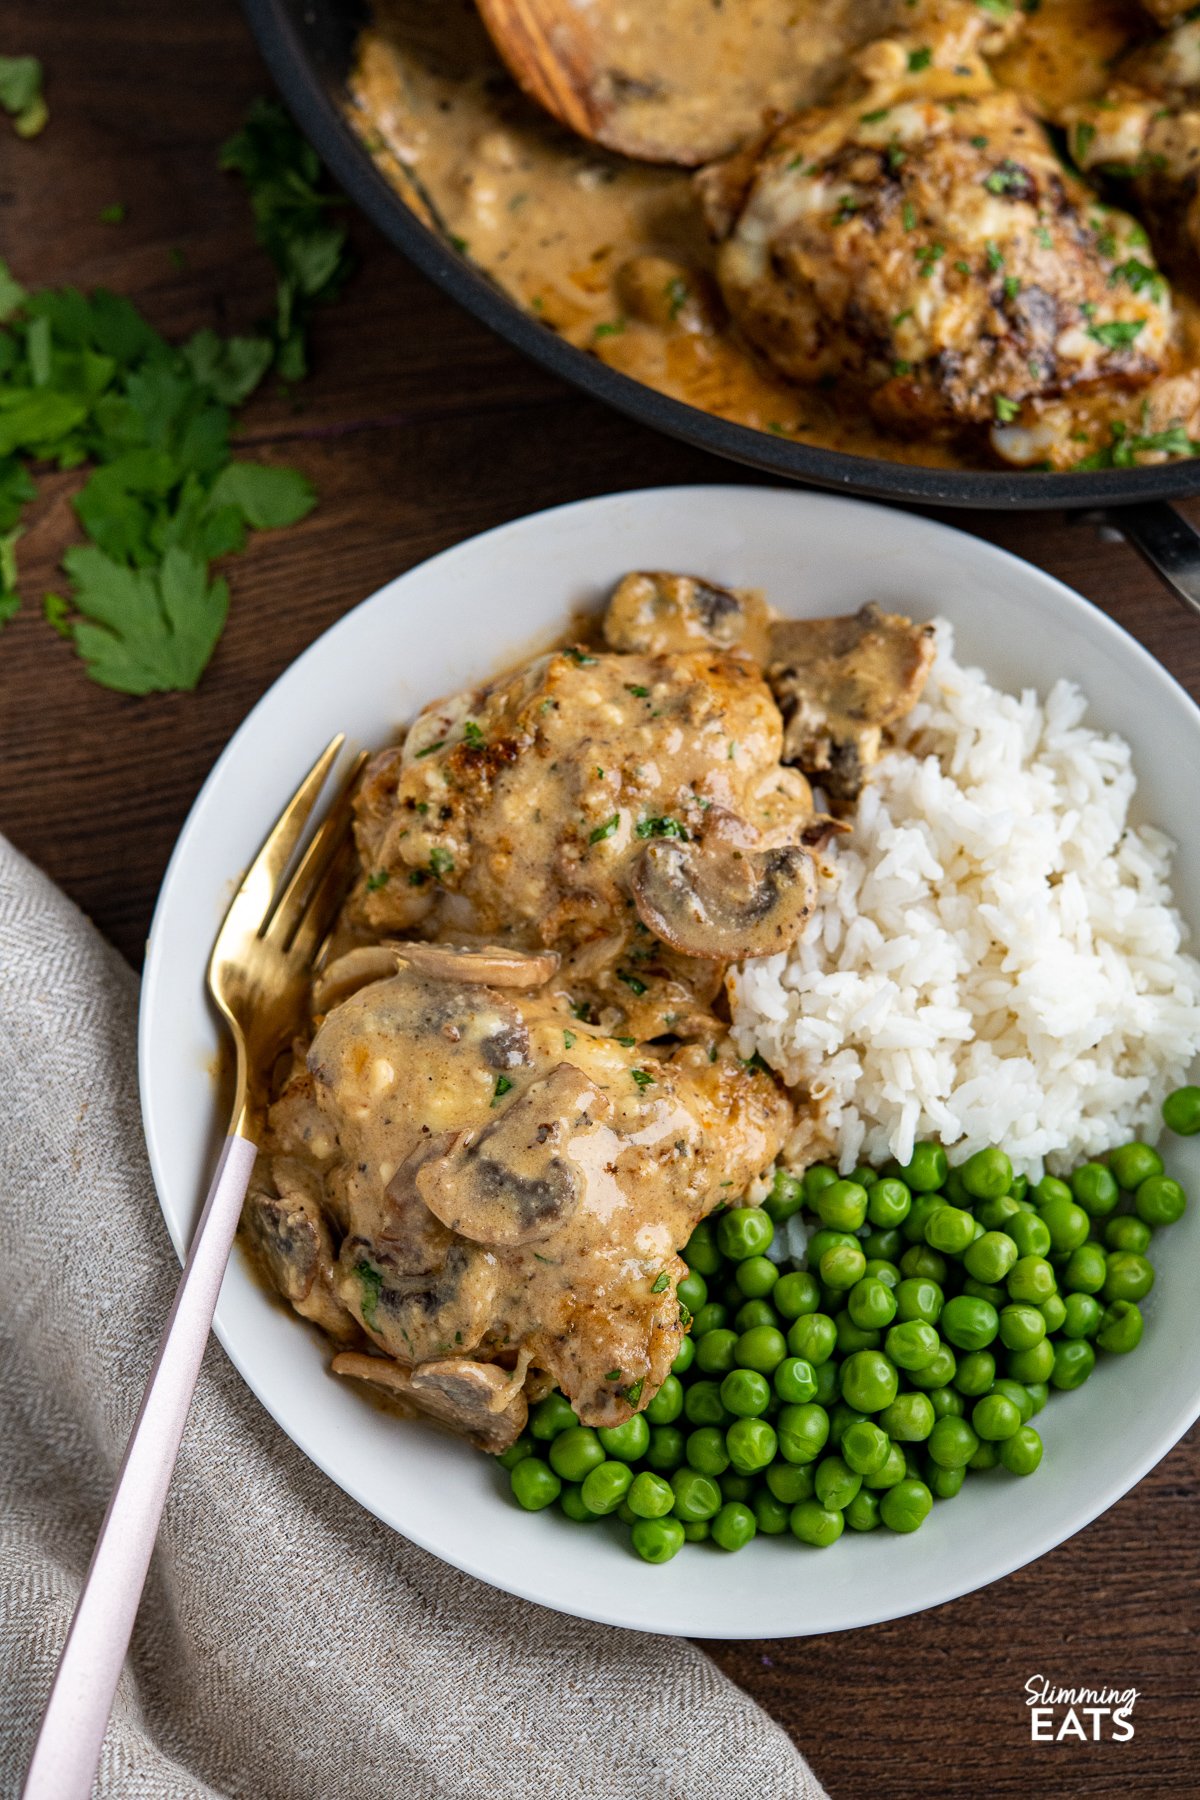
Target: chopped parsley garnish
[
  {"x": 1045, "y": 240},
  {"x": 928, "y": 256},
  {"x": 900, "y": 367},
  {"x": 909, "y": 215},
  {"x": 1117, "y": 333},
  {"x": 642, "y": 1078},
  {"x": 995, "y": 256},
  {"x": 847, "y": 207},
  {"x": 429, "y": 749},
  {"x": 371, "y": 1282},
  {"x": 1082, "y": 139},
  {"x": 503, "y": 1086},
  {"x": 627, "y": 1041},
  {"x": 472, "y": 735},
  {"x": 1139, "y": 276},
  {"x": 378, "y": 878},
  {"x": 609, "y": 328},
  {"x": 873, "y": 118},
  {"x": 604, "y": 831},
  {"x": 115, "y": 214},
  {"x": 613, "y": 1375},
  {"x": 676, "y": 293},
  {"x": 919, "y": 59},
  {"x": 631, "y": 981},
  {"x": 1006, "y": 409},
  {"x": 1012, "y": 287},
  {"x": 1009, "y": 179},
  {"x": 417, "y": 878},
  {"x": 980, "y": 142},
  {"x": 578, "y": 656},
  {"x": 440, "y": 861},
  {"x": 685, "y": 1316},
  {"x": 568, "y": 1040},
  {"x": 633, "y": 1392},
  {"x": 662, "y": 1284},
  {"x": 638, "y": 692},
  {"x": 665, "y": 827},
  {"x": 1125, "y": 447}
]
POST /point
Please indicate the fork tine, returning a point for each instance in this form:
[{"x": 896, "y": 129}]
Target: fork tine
[
  {"x": 325, "y": 844},
  {"x": 323, "y": 904},
  {"x": 259, "y": 885}
]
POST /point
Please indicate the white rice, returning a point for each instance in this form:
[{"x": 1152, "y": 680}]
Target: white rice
[{"x": 997, "y": 959}]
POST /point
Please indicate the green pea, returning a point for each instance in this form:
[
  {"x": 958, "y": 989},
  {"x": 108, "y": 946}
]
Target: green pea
[
  {"x": 917, "y": 1298},
  {"x": 796, "y": 1294},
  {"x": 1031, "y": 1279},
  {"x": 571, "y": 1503},
  {"x": 1121, "y": 1327},
  {"x": 907, "y": 1505},
  {"x": 865, "y": 1447},
  {"x": 814, "y": 1337},
  {"x": 795, "y": 1381},
  {"x": 667, "y": 1403},
  {"x": 969, "y": 1323},
  {"x": 789, "y": 1482},
  {"x": 842, "y": 1205},
  {"x": 926, "y": 1170},
  {"x": 1129, "y": 1277},
  {"x": 756, "y": 1277},
  {"x": 736, "y": 1487},
  {"x": 991, "y": 1256},
  {"x": 1181, "y": 1111},
  {"x": 1086, "y": 1270},
  {"x": 878, "y": 1269},
  {"x": 508, "y": 1459},
  {"x": 920, "y": 1261},
  {"x": 1049, "y": 1188},
  {"x": 1160, "y": 1201},
  {"x": 909, "y": 1419},
  {"x": 650, "y": 1497},
  {"x": 884, "y": 1244},
  {"x": 1074, "y": 1360},
  {"x": 575, "y": 1452},
  {"x": 629, "y": 1440},
  {"x": 713, "y": 1317},
  {"x": 888, "y": 1203},
  {"x": 919, "y": 1214},
  {"x": 815, "y": 1524},
  {"x": 763, "y": 1348},
  {"x": 1032, "y": 1365},
  {"x": 685, "y": 1356},
  {"x": 987, "y": 1174},
  {"x": 693, "y": 1291},
  {"x": 936, "y": 1374},
  {"x": 734, "y": 1526},
  {"x": 1021, "y": 1326},
  {"x": 871, "y": 1304},
  {"x": 753, "y": 1313},
  {"x": 894, "y": 1469},
  {"x": 1067, "y": 1224},
  {"x": 952, "y": 1443},
  {"x": 657, "y": 1540},
  {"x": 975, "y": 1373},
  {"x": 818, "y": 1177},
  {"x": 786, "y": 1196},
  {"x": 950, "y": 1229},
  {"x": 1127, "y": 1232},
  {"x": 994, "y": 1215},
  {"x": 697, "y": 1497},
  {"x": 1095, "y": 1188},
  {"x": 1029, "y": 1232},
  {"x": 986, "y": 1457},
  {"x": 744, "y": 1231},
  {"x": 1134, "y": 1163},
  {"x": 827, "y": 1239},
  {"x": 869, "y": 1381},
  {"x": 803, "y": 1432},
  {"x": 912, "y": 1345},
  {"x": 1015, "y": 1391},
  {"x": 955, "y": 1190},
  {"x": 700, "y": 1253},
  {"x": 835, "y": 1483},
  {"x": 715, "y": 1351},
  {"x": 947, "y": 1402},
  {"x": 829, "y": 1382},
  {"x": 550, "y": 1416},
  {"x": 770, "y": 1514},
  {"x": 842, "y": 1265},
  {"x": 996, "y": 1417},
  {"x": 706, "y": 1450},
  {"x": 851, "y": 1337},
  {"x": 665, "y": 1451},
  {"x": 702, "y": 1404},
  {"x": 1054, "y": 1311},
  {"x": 991, "y": 1291},
  {"x": 745, "y": 1393},
  {"x": 862, "y": 1514},
  {"x": 695, "y": 1530},
  {"x": 1038, "y": 1393},
  {"x": 943, "y": 1484},
  {"x": 1022, "y": 1452},
  {"x": 534, "y": 1484}
]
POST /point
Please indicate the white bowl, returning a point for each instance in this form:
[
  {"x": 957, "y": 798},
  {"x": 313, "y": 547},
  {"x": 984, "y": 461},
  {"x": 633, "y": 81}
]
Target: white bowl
[{"x": 458, "y": 618}]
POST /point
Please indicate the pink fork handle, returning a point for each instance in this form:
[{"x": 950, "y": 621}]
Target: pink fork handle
[{"x": 72, "y": 1730}]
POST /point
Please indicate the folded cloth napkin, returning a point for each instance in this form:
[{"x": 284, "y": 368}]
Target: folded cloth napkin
[{"x": 288, "y": 1645}]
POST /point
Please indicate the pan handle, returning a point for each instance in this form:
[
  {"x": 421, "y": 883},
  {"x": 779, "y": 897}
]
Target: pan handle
[{"x": 1164, "y": 538}]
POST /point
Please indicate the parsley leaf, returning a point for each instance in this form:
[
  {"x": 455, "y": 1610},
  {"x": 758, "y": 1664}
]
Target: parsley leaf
[
  {"x": 1115, "y": 335},
  {"x": 145, "y": 631},
  {"x": 21, "y": 94},
  {"x": 265, "y": 496}
]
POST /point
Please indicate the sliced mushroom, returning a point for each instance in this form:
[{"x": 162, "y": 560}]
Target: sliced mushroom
[
  {"x": 727, "y": 905},
  {"x": 358, "y": 968},
  {"x": 479, "y": 1401},
  {"x": 517, "y": 1181},
  {"x": 652, "y": 612},
  {"x": 490, "y": 965},
  {"x": 285, "y": 1223}
]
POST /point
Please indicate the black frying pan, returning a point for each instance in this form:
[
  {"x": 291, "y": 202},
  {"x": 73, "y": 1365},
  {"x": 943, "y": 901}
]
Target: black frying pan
[{"x": 308, "y": 46}]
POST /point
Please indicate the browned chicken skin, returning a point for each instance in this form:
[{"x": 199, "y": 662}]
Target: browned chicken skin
[
  {"x": 478, "y": 1173},
  {"x": 920, "y": 240}
]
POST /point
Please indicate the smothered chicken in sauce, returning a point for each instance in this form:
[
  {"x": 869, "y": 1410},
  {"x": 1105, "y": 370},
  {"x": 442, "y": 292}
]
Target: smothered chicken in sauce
[
  {"x": 518, "y": 1095},
  {"x": 954, "y": 232}
]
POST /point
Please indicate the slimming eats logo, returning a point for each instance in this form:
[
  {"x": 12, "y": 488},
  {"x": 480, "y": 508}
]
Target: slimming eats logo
[{"x": 1094, "y": 1715}]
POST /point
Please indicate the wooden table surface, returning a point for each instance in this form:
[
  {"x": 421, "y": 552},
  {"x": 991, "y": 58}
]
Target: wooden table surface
[{"x": 419, "y": 428}]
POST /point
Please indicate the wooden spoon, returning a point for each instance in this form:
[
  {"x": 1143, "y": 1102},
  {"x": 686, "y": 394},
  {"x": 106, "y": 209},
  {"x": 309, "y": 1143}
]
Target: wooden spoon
[{"x": 677, "y": 81}]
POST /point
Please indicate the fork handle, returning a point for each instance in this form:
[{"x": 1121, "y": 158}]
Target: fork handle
[{"x": 69, "y": 1740}]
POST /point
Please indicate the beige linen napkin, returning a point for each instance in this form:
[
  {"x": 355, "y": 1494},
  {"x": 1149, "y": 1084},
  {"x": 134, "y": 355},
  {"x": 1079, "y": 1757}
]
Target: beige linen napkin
[{"x": 288, "y": 1645}]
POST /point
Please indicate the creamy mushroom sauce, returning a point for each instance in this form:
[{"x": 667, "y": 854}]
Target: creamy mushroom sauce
[{"x": 613, "y": 254}]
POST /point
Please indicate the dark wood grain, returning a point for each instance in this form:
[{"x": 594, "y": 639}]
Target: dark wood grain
[{"x": 418, "y": 429}]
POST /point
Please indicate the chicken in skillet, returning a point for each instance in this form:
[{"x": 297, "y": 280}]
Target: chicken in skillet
[{"x": 919, "y": 241}]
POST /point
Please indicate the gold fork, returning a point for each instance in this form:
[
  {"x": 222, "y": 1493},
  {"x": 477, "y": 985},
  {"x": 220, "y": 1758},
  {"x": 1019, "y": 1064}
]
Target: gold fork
[{"x": 257, "y": 975}]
